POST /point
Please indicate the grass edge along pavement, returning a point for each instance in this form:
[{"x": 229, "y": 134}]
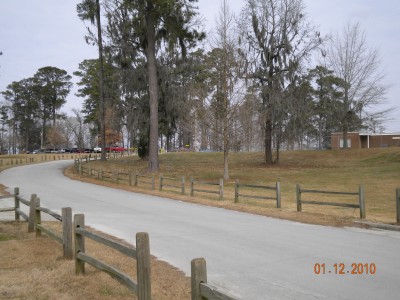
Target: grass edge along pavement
[
  {"x": 342, "y": 170},
  {"x": 33, "y": 268}
]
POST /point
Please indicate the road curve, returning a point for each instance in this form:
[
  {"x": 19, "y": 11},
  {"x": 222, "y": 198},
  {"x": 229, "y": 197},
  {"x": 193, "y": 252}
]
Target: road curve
[{"x": 254, "y": 257}]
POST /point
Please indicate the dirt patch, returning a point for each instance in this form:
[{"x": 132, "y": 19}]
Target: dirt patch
[{"x": 33, "y": 268}]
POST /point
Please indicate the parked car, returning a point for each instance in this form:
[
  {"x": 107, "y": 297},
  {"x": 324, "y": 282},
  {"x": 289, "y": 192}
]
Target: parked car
[
  {"x": 75, "y": 150},
  {"x": 97, "y": 149},
  {"x": 115, "y": 149}
]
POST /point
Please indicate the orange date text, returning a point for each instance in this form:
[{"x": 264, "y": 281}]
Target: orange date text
[{"x": 343, "y": 269}]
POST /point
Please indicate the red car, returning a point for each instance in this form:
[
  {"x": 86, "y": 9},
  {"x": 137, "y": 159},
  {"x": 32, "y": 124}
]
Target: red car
[{"x": 115, "y": 149}]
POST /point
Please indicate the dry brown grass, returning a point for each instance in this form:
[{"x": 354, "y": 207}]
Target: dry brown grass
[{"x": 33, "y": 268}]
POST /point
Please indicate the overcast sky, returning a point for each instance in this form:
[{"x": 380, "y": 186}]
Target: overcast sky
[{"x": 39, "y": 33}]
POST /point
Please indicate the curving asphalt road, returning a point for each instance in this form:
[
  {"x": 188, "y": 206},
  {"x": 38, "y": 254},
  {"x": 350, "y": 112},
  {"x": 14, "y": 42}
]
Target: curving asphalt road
[{"x": 254, "y": 257}]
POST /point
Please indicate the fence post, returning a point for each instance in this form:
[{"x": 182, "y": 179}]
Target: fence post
[
  {"x": 32, "y": 213},
  {"x": 198, "y": 275},
  {"x": 362, "y": 201},
  {"x": 298, "y": 197},
  {"x": 183, "y": 185},
  {"x": 236, "y": 191},
  {"x": 278, "y": 194},
  {"x": 160, "y": 183},
  {"x": 398, "y": 205},
  {"x": 80, "y": 166},
  {"x": 153, "y": 182},
  {"x": 143, "y": 266},
  {"x": 136, "y": 179},
  {"x": 66, "y": 213},
  {"x": 191, "y": 186},
  {"x": 130, "y": 178},
  {"x": 32, "y": 208},
  {"x": 221, "y": 188},
  {"x": 16, "y": 203},
  {"x": 38, "y": 217},
  {"x": 79, "y": 222}
]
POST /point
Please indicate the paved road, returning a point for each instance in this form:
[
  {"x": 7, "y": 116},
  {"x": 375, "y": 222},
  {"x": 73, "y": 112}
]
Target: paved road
[{"x": 252, "y": 256}]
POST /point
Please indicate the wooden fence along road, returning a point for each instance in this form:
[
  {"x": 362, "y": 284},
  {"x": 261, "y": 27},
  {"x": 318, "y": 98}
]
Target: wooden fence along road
[
  {"x": 242, "y": 190},
  {"x": 142, "y": 288},
  {"x": 360, "y": 194},
  {"x": 141, "y": 253}
]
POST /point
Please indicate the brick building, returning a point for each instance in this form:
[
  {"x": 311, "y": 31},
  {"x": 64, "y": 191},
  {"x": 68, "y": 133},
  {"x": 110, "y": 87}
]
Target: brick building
[{"x": 365, "y": 140}]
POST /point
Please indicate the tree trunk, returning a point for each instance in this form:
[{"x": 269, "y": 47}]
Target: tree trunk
[
  {"x": 346, "y": 118},
  {"x": 345, "y": 134},
  {"x": 153, "y": 89},
  {"x": 53, "y": 110},
  {"x": 43, "y": 137},
  {"x": 101, "y": 76},
  {"x": 226, "y": 144},
  {"x": 268, "y": 140}
]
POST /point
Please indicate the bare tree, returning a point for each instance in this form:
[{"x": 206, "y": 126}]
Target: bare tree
[
  {"x": 76, "y": 125},
  {"x": 359, "y": 66},
  {"x": 230, "y": 82},
  {"x": 225, "y": 72},
  {"x": 280, "y": 39}
]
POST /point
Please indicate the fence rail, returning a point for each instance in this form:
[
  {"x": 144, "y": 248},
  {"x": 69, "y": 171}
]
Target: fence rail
[
  {"x": 276, "y": 188},
  {"x": 180, "y": 186},
  {"x": 199, "y": 286},
  {"x": 142, "y": 288},
  {"x": 219, "y": 192},
  {"x": 148, "y": 180},
  {"x": 6, "y": 209},
  {"x": 34, "y": 220},
  {"x": 360, "y": 194}
]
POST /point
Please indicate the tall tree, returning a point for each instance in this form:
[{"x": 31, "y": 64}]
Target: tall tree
[
  {"x": 227, "y": 73},
  {"x": 358, "y": 65},
  {"x": 147, "y": 24},
  {"x": 3, "y": 121},
  {"x": 89, "y": 90},
  {"x": 90, "y": 10},
  {"x": 52, "y": 86},
  {"x": 280, "y": 38},
  {"x": 327, "y": 93},
  {"x": 24, "y": 110}
]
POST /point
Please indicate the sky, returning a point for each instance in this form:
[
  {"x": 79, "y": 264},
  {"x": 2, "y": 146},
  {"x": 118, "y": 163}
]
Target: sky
[{"x": 39, "y": 33}]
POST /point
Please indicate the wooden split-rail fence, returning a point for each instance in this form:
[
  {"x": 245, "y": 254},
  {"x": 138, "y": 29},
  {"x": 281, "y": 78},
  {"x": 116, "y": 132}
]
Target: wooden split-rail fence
[
  {"x": 242, "y": 190},
  {"x": 219, "y": 190},
  {"x": 361, "y": 202},
  {"x": 171, "y": 182},
  {"x": 276, "y": 188},
  {"x": 34, "y": 219},
  {"x": 76, "y": 233},
  {"x": 141, "y": 287}
]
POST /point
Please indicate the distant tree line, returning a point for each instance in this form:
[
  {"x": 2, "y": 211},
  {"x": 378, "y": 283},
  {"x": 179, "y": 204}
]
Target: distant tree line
[{"x": 159, "y": 82}]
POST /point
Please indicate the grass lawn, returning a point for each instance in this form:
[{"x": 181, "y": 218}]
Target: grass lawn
[{"x": 342, "y": 170}]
